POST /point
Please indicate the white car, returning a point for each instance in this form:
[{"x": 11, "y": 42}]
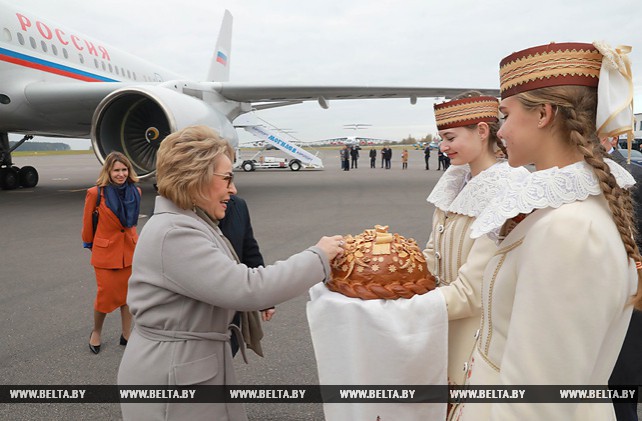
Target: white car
[{"x": 271, "y": 162}]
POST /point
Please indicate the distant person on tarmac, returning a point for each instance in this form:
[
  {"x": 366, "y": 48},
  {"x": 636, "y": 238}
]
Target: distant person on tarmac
[
  {"x": 354, "y": 155},
  {"x": 427, "y": 156}
]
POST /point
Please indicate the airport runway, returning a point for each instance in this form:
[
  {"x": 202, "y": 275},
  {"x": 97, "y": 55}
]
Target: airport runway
[{"x": 48, "y": 284}]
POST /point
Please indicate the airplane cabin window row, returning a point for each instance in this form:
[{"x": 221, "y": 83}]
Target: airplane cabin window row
[{"x": 53, "y": 49}]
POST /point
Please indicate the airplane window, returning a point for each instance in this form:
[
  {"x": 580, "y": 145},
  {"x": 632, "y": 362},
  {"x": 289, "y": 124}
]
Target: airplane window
[
  {"x": 43, "y": 45},
  {"x": 81, "y": 58},
  {"x": 134, "y": 75},
  {"x": 21, "y": 39},
  {"x": 129, "y": 75},
  {"x": 116, "y": 67},
  {"x": 104, "y": 67},
  {"x": 54, "y": 49},
  {"x": 7, "y": 35},
  {"x": 96, "y": 63},
  {"x": 64, "y": 53},
  {"x": 111, "y": 70},
  {"x": 32, "y": 42}
]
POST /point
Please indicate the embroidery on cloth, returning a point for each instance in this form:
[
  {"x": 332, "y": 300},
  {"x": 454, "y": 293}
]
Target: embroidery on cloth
[
  {"x": 550, "y": 188},
  {"x": 458, "y": 193}
]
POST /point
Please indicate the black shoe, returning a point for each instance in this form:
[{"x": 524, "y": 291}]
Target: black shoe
[
  {"x": 123, "y": 341},
  {"x": 94, "y": 348}
]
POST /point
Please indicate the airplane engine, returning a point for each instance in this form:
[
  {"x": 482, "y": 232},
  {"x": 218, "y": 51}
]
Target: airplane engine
[{"x": 135, "y": 120}]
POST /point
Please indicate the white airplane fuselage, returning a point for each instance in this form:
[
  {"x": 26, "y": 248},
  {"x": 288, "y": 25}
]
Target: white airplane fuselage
[
  {"x": 57, "y": 82},
  {"x": 33, "y": 49}
]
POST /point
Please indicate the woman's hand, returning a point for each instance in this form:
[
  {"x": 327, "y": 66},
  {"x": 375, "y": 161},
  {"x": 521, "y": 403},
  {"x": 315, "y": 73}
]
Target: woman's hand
[
  {"x": 331, "y": 246},
  {"x": 266, "y": 315}
]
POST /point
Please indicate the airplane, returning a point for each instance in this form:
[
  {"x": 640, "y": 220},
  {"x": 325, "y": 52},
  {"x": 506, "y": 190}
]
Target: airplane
[
  {"x": 58, "y": 82},
  {"x": 350, "y": 141}
]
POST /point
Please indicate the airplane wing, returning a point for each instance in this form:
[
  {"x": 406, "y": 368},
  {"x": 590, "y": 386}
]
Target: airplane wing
[
  {"x": 77, "y": 97},
  {"x": 264, "y": 93},
  {"x": 71, "y": 104}
]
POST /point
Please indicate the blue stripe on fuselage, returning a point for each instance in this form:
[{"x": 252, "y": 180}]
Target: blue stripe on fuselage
[{"x": 51, "y": 67}]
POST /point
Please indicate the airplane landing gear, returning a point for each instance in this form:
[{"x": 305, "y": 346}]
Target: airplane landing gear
[
  {"x": 12, "y": 177},
  {"x": 9, "y": 178}
]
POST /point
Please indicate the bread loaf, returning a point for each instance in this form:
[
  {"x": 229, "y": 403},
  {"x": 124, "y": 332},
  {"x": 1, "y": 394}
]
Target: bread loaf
[{"x": 378, "y": 264}]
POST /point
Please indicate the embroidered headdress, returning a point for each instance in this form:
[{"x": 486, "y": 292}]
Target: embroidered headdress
[
  {"x": 572, "y": 63},
  {"x": 466, "y": 111},
  {"x": 549, "y": 65}
]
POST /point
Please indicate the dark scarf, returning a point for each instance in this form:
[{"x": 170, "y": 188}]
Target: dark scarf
[{"x": 124, "y": 201}]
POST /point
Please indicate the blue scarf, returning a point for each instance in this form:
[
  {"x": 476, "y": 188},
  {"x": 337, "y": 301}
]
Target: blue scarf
[{"x": 124, "y": 201}]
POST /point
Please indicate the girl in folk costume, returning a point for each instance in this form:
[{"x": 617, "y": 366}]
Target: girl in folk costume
[
  {"x": 112, "y": 245},
  {"x": 558, "y": 294},
  {"x": 468, "y": 126}
]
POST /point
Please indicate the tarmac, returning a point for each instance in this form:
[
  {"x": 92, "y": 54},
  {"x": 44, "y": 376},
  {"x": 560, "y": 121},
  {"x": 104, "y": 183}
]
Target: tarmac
[{"x": 49, "y": 285}]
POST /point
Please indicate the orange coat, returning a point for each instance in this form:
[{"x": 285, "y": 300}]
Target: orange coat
[{"x": 113, "y": 244}]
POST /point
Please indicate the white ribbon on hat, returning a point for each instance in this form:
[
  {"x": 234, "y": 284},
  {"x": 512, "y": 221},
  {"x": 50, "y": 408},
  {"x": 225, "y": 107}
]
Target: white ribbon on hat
[{"x": 615, "y": 93}]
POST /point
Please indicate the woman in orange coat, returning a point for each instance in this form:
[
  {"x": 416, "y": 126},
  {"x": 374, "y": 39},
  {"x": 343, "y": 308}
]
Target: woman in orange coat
[{"x": 112, "y": 245}]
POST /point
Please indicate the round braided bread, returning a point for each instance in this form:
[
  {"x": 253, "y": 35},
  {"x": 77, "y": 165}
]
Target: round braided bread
[{"x": 380, "y": 265}]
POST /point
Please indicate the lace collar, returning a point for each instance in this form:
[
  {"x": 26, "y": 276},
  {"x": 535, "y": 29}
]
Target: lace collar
[
  {"x": 457, "y": 192},
  {"x": 550, "y": 188}
]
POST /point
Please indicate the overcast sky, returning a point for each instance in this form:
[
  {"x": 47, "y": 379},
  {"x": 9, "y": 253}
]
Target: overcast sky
[{"x": 452, "y": 43}]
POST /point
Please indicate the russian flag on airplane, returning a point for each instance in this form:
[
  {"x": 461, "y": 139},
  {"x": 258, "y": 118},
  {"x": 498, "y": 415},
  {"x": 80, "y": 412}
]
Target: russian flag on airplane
[{"x": 221, "y": 58}]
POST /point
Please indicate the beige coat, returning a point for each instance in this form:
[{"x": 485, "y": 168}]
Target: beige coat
[
  {"x": 183, "y": 292},
  {"x": 554, "y": 311},
  {"x": 458, "y": 261}
]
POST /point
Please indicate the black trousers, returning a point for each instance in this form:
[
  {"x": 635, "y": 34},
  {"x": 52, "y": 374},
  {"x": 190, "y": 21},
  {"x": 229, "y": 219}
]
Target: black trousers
[{"x": 628, "y": 367}]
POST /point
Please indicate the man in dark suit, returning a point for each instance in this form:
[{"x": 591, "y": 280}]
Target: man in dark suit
[
  {"x": 237, "y": 228},
  {"x": 354, "y": 156},
  {"x": 388, "y": 157},
  {"x": 373, "y": 157},
  {"x": 427, "y": 156},
  {"x": 628, "y": 368}
]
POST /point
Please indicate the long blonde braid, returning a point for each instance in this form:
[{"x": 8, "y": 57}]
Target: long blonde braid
[{"x": 575, "y": 108}]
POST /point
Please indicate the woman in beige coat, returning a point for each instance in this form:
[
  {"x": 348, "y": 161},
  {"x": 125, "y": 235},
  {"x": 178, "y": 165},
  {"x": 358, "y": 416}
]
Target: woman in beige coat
[
  {"x": 557, "y": 296},
  {"x": 468, "y": 126},
  {"x": 186, "y": 282}
]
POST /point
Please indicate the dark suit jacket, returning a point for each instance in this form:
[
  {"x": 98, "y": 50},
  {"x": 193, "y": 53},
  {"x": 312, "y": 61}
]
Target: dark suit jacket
[
  {"x": 628, "y": 368},
  {"x": 237, "y": 227}
]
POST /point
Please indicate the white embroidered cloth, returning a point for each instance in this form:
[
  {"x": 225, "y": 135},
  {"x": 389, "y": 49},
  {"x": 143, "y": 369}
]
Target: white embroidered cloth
[
  {"x": 379, "y": 342},
  {"x": 550, "y": 188},
  {"x": 457, "y": 192}
]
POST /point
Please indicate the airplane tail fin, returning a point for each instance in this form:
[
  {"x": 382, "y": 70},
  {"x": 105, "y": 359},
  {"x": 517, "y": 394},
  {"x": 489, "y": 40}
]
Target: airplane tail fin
[{"x": 220, "y": 64}]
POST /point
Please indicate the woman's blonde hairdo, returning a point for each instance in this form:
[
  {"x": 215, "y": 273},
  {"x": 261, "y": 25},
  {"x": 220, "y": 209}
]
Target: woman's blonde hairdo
[
  {"x": 104, "y": 178},
  {"x": 575, "y": 110},
  {"x": 186, "y": 162}
]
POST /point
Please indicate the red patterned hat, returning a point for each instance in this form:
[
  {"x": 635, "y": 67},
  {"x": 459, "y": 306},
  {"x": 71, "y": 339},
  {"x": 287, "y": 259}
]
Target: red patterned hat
[
  {"x": 554, "y": 64},
  {"x": 466, "y": 111}
]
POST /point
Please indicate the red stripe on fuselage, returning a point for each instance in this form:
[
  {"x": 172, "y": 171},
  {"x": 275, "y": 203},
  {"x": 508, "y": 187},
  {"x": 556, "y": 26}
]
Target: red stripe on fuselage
[{"x": 46, "y": 69}]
